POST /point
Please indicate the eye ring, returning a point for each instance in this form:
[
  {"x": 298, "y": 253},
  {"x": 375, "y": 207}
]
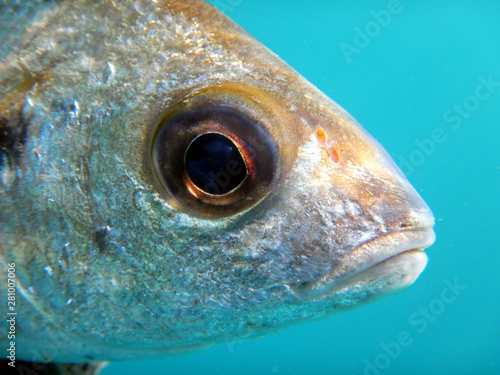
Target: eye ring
[{"x": 190, "y": 121}]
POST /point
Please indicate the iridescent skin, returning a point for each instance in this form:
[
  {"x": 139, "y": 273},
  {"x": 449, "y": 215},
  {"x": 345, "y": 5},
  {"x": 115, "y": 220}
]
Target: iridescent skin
[{"x": 108, "y": 265}]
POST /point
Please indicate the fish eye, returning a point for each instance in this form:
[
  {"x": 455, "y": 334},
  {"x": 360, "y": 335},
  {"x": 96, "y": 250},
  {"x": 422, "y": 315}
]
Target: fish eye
[
  {"x": 214, "y": 164},
  {"x": 214, "y": 157}
]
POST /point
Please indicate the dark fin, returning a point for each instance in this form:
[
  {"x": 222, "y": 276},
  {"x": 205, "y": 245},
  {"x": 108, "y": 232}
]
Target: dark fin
[{"x": 40, "y": 368}]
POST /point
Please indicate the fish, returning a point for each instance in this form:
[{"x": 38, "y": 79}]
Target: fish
[{"x": 168, "y": 183}]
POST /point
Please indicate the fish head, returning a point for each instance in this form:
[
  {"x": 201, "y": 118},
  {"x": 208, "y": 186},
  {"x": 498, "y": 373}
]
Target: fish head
[
  {"x": 322, "y": 212},
  {"x": 323, "y": 220},
  {"x": 180, "y": 185}
]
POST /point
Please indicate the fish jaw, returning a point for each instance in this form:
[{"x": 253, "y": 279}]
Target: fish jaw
[{"x": 385, "y": 264}]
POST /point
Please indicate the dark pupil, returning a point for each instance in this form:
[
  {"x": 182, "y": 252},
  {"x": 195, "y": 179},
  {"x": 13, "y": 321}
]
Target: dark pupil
[{"x": 214, "y": 164}]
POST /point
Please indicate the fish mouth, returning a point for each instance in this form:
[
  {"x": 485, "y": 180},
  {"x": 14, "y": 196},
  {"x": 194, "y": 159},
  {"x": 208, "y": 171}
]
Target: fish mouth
[{"x": 380, "y": 266}]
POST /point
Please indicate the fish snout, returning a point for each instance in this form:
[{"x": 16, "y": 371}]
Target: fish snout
[{"x": 382, "y": 225}]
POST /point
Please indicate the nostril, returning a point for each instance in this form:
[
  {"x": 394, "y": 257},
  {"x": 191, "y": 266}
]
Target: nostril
[{"x": 334, "y": 154}]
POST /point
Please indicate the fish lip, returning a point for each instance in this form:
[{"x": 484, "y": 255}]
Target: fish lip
[{"x": 377, "y": 251}]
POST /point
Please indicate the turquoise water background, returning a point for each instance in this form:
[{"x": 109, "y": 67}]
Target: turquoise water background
[{"x": 414, "y": 84}]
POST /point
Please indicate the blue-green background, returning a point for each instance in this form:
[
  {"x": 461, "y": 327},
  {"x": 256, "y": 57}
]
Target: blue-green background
[{"x": 428, "y": 58}]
